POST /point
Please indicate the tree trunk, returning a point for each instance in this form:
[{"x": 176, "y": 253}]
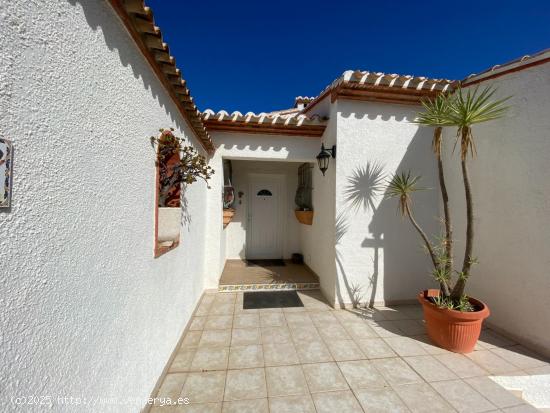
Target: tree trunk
[
  {"x": 446, "y": 211},
  {"x": 458, "y": 290},
  {"x": 444, "y": 287}
]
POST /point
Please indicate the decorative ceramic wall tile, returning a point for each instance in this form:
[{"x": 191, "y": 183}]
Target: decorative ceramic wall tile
[{"x": 6, "y": 151}]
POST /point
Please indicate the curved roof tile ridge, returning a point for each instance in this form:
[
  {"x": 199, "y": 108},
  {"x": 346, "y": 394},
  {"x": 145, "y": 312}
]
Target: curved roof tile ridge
[{"x": 139, "y": 21}]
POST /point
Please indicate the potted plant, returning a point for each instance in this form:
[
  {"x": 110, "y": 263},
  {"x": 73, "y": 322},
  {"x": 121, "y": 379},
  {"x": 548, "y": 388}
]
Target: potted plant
[
  {"x": 304, "y": 209},
  {"x": 453, "y": 320},
  {"x": 177, "y": 164},
  {"x": 228, "y": 200}
]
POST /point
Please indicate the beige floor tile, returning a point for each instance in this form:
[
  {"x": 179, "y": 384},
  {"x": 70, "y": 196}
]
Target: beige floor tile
[
  {"x": 313, "y": 352},
  {"x": 294, "y": 310},
  {"x": 172, "y": 385},
  {"x": 291, "y": 404},
  {"x": 242, "y": 357},
  {"x": 493, "y": 392},
  {"x": 375, "y": 348},
  {"x": 405, "y": 346},
  {"x": 396, "y": 371},
  {"x": 210, "y": 358},
  {"x": 270, "y": 310},
  {"x": 461, "y": 365},
  {"x": 361, "y": 374},
  {"x": 298, "y": 319},
  {"x": 244, "y": 336},
  {"x": 462, "y": 396},
  {"x": 182, "y": 360},
  {"x": 413, "y": 311},
  {"x": 301, "y": 333},
  {"x": 490, "y": 339},
  {"x": 430, "y": 368},
  {"x": 222, "y": 309},
  {"x": 239, "y": 309},
  {"x": 342, "y": 350},
  {"x": 225, "y": 298},
  {"x": 393, "y": 313},
  {"x": 323, "y": 318},
  {"x": 200, "y": 408},
  {"x": 522, "y": 408},
  {"x": 430, "y": 348},
  {"x": 348, "y": 315},
  {"x": 420, "y": 397},
  {"x": 197, "y": 323},
  {"x": 333, "y": 332},
  {"x": 245, "y": 384},
  {"x": 491, "y": 362},
  {"x": 275, "y": 335},
  {"x": 272, "y": 319},
  {"x": 246, "y": 321},
  {"x": 218, "y": 322},
  {"x": 520, "y": 357},
  {"x": 215, "y": 338},
  {"x": 246, "y": 406},
  {"x": 191, "y": 339},
  {"x": 387, "y": 329},
  {"x": 204, "y": 387},
  {"x": 381, "y": 400},
  {"x": 285, "y": 381},
  {"x": 280, "y": 354},
  {"x": 411, "y": 327},
  {"x": 359, "y": 330},
  {"x": 322, "y": 377},
  {"x": 203, "y": 309},
  {"x": 336, "y": 401},
  {"x": 538, "y": 370}
]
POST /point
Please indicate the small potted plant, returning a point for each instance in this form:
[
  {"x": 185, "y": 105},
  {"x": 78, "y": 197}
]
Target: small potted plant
[
  {"x": 177, "y": 164},
  {"x": 304, "y": 211},
  {"x": 453, "y": 320},
  {"x": 228, "y": 200}
]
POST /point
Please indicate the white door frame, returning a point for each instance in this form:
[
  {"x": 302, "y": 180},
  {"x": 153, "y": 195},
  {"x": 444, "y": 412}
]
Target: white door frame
[{"x": 253, "y": 178}]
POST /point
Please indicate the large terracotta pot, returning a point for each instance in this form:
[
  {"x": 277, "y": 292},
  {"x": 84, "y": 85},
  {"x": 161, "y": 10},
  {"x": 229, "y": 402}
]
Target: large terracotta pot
[{"x": 453, "y": 330}]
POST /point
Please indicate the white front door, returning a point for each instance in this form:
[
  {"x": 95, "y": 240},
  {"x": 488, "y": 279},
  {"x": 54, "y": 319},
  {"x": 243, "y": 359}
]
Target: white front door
[{"x": 264, "y": 234}]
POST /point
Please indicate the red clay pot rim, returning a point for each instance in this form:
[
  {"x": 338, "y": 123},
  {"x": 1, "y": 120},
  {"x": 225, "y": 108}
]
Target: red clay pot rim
[{"x": 455, "y": 314}]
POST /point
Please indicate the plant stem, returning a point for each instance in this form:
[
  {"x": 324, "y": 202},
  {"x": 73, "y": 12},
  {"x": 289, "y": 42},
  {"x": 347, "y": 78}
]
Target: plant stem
[
  {"x": 445, "y": 197},
  {"x": 458, "y": 290},
  {"x": 444, "y": 287}
]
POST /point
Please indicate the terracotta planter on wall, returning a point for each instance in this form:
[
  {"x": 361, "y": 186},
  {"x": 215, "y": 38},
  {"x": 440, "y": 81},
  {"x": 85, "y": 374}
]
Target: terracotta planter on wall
[
  {"x": 453, "y": 330},
  {"x": 228, "y": 214},
  {"x": 304, "y": 217}
]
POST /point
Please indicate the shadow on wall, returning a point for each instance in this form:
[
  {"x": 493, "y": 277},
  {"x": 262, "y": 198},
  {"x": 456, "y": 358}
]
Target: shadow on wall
[
  {"x": 117, "y": 38},
  {"x": 397, "y": 252}
]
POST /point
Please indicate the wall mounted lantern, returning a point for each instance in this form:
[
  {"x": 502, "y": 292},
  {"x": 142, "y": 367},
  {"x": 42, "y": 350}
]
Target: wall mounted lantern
[{"x": 324, "y": 157}]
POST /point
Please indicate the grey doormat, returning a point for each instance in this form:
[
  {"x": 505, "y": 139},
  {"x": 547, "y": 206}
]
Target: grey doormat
[
  {"x": 265, "y": 263},
  {"x": 271, "y": 299}
]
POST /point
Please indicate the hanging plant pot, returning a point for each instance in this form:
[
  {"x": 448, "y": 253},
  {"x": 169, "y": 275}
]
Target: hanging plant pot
[
  {"x": 453, "y": 330},
  {"x": 228, "y": 214},
  {"x": 304, "y": 217}
]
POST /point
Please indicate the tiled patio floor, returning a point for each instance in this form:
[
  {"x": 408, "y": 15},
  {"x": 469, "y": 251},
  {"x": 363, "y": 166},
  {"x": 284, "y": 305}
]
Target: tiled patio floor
[{"x": 317, "y": 359}]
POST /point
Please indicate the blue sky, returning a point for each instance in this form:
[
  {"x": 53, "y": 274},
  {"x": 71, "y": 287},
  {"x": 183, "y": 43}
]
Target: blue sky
[{"x": 257, "y": 56}]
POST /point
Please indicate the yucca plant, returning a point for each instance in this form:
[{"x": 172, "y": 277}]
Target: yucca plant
[
  {"x": 402, "y": 186},
  {"x": 462, "y": 109},
  {"x": 468, "y": 108},
  {"x": 436, "y": 114}
]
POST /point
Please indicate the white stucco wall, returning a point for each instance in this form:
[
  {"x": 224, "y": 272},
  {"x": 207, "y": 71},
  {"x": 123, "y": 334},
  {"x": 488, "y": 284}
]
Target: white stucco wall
[
  {"x": 375, "y": 249},
  {"x": 86, "y": 310},
  {"x": 511, "y": 188},
  {"x": 236, "y": 230}
]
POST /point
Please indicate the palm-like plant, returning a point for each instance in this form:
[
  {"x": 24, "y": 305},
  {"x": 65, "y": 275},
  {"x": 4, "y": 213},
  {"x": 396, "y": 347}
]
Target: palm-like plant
[
  {"x": 402, "y": 186},
  {"x": 437, "y": 114},
  {"x": 467, "y": 109}
]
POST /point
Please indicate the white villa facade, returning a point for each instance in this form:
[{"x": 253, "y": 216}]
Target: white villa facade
[{"x": 85, "y": 304}]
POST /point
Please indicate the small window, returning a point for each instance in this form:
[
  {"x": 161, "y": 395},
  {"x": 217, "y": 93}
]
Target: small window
[
  {"x": 303, "y": 196},
  {"x": 264, "y": 192}
]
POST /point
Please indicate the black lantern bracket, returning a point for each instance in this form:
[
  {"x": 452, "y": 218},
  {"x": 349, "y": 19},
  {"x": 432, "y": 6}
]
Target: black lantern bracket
[{"x": 324, "y": 156}]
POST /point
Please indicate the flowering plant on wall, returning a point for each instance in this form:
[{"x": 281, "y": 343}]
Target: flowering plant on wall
[{"x": 178, "y": 164}]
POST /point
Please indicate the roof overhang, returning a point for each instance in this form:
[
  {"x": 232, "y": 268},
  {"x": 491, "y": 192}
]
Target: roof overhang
[
  {"x": 139, "y": 22},
  {"x": 265, "y": 123},
  {"x": 382, "y": 87}
]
